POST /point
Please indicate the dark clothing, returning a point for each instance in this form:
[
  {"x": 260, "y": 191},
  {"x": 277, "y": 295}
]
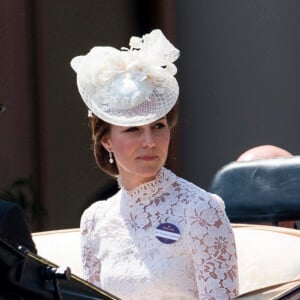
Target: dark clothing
[{"x": 14, "y": 227}]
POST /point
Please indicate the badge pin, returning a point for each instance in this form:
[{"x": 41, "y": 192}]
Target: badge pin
[{"x": 167, "y": 233}]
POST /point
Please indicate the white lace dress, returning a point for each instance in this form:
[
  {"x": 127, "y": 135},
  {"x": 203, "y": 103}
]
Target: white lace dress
[{"x": 121, "y": 253}]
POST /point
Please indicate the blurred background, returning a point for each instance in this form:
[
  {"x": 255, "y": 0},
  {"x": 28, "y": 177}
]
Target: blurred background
[{"x": 239, "y": 73}]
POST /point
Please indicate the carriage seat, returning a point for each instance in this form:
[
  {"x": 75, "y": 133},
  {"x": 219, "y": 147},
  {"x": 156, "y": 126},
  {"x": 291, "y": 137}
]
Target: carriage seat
[{"x": 267, "y": 255}]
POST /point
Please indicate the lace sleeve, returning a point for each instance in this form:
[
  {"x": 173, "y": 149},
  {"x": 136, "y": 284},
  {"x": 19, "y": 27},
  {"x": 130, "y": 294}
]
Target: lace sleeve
[
  {"x": 89, "y": 247},
  {"x": 213, "y": 250}
]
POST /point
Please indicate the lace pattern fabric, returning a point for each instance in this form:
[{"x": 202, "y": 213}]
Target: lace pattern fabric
[{"x": 121, "y": 254}]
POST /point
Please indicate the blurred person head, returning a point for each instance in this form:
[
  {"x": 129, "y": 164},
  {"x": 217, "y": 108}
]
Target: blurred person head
[{"x": 263, "y": 152}]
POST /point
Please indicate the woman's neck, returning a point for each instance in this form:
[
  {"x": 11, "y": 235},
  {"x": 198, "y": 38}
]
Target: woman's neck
[{"x": 132, "y": 182}]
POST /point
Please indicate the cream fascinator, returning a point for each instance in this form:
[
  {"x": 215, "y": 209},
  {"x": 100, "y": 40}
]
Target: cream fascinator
[{"x": 129, "y": 87}]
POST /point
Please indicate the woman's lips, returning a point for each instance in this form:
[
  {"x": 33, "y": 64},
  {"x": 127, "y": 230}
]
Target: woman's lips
[{"x": 147, "y": 157}]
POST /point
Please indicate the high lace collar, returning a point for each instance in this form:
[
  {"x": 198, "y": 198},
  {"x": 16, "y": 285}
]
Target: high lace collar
[{"x": 146, "y": 191}]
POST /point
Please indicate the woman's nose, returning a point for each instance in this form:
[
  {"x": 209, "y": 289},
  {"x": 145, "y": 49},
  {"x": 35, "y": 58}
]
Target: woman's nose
[{"x": 148, "y": 139}]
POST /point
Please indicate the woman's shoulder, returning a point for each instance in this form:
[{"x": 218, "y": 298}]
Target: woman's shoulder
[
  {"x": 197, "y": 195},
  {"x": 189, "y": 187},
  {"x": 98, "y": 209}
]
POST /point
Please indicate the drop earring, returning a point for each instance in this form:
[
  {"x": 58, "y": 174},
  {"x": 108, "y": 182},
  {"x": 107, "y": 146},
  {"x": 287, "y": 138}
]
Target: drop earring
[{"x": 110, "y": 157}]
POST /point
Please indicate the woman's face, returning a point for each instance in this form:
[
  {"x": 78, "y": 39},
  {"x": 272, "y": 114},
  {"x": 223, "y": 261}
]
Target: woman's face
[{"x": 139, "y": 151}]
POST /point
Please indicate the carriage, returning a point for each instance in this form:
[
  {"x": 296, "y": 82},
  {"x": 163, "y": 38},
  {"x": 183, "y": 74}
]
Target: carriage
[{"x": 259, "y": 196}]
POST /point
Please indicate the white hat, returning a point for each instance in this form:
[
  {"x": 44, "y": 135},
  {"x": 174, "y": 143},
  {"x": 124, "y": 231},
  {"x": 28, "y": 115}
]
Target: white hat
[{"x": 129, "y": 87}]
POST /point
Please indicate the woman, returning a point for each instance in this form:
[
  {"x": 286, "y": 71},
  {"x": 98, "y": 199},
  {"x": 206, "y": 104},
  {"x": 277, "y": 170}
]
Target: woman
[{"x": 160, "y": 236}]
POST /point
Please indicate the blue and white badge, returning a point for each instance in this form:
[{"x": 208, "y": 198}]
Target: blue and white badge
[{"x": 167, "y": 233}]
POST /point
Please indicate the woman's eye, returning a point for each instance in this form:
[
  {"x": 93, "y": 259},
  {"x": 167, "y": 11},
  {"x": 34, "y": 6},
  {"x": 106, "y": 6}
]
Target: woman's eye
[
  {"x": 132, "y": 129},
  {"x": 159, "y": 125}
]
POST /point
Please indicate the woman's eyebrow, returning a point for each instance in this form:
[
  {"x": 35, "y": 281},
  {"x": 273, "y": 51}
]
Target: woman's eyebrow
[{"x": 159, "y": 119}]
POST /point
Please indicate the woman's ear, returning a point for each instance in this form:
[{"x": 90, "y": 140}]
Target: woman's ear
[{"x": 105, "y": 142}]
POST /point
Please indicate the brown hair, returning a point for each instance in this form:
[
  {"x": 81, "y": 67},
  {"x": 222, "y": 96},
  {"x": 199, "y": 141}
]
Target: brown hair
[{"x": 100, "y": 128}]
